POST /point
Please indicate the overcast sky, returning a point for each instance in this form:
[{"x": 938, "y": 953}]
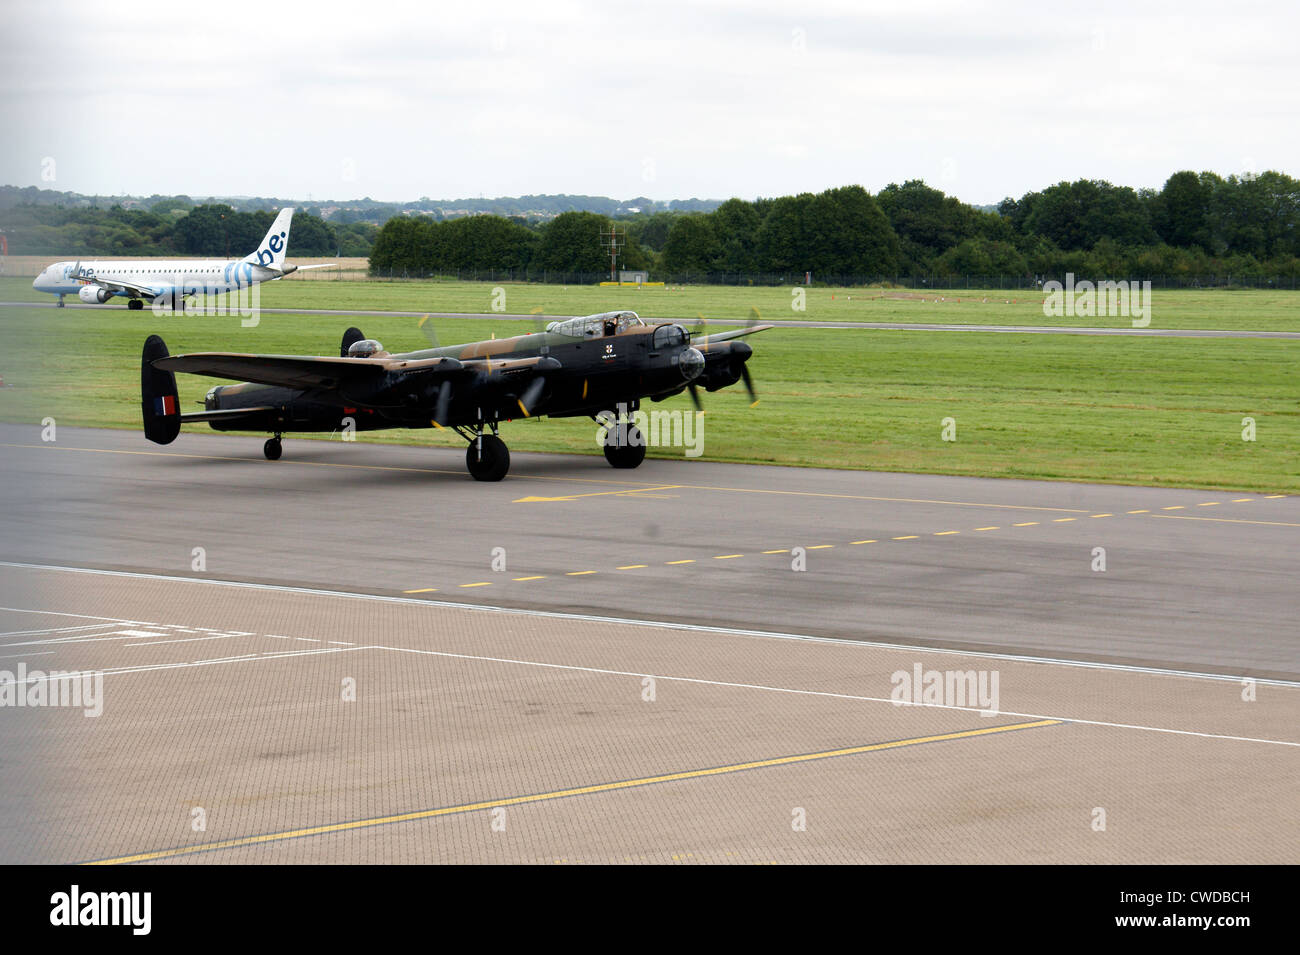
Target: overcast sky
[{"x": 668, "y": 100}]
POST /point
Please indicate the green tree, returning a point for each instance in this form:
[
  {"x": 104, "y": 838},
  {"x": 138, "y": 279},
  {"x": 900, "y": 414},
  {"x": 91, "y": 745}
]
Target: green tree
[{"x": 692, "y": 246}]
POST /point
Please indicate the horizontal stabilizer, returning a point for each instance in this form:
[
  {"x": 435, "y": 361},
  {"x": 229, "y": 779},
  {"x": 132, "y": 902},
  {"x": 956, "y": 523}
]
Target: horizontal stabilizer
[{"x": 226, "y": 414}]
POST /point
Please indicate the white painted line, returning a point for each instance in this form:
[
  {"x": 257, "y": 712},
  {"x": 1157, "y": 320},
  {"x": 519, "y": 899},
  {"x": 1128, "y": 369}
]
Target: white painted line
[
  {"x": 136, "y": 633},
  {"x": 24, "y": 656},
  {"x": 838, "y": 696},
  {"x": 659, "y": 624},
  {"x": 83, "y": 616},
  {"x": 159, "y": 643}
]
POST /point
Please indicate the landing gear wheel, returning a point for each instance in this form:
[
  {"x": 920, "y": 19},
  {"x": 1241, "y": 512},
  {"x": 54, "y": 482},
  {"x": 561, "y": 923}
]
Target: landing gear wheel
[
  {"x": 490, "y": 464},
  {"x": 273, "y": 449},
  {"x": 135, "y": 304},
  {"x": 61, "y": 305},
  {"x": 624, "y": 446}
]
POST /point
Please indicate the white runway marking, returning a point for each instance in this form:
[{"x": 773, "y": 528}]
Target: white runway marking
[
  {"x": 661, "y": 624},
  {"x": 839, "y": 696}
]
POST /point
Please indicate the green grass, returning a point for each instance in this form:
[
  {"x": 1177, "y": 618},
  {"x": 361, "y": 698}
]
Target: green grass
[
  {"x": 1181, "y": 308},
  {"x": 1125, "y": 410}
]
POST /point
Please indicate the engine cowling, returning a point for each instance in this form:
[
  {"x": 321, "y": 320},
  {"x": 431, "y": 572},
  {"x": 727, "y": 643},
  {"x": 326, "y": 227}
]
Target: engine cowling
[{"x": 94, "y": 295}]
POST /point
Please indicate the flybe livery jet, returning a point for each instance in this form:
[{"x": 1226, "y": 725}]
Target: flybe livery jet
[{"x": 146, "y": 280}]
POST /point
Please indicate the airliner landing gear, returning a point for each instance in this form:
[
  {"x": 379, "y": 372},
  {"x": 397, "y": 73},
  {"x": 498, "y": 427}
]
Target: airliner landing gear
[
  {"x": 135, "y": 304},
  {"x": 273, "y": 448},
  {"x": 624, "y": 446},
  {"x": 487, "y": 457},
  {"x": 61, "y": 305}
]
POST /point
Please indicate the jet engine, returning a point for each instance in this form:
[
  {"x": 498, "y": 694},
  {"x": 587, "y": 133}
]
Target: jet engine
[{"x": 94, "y": 295}]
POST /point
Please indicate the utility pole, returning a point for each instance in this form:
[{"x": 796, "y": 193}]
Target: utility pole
[{"x": 613, "y": 240}]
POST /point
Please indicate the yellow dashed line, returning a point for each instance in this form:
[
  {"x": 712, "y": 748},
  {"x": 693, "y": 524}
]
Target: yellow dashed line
[
  {"x": 539, "y": 577},
  {"x": 1209, "y": 504},
  {"x": 820, "y": 546},
  {"x": 1026, "y": 524},
  {"x": 1141, "y": 510},
  {"x": 993, "y": 528},
  {"x": 1272, "y": 497},
  {"x": 727, "y": 556},
  {"x": 872, "y": 541},
  {"x": 1101, "y": 515},
  {"x": 579, "y": 573},
  {"x": 1241, "y": 500},
  {"x": 1063, "y": 520},
  {"x": 906, "y": 537},
  {"x": 945, "y": 533},
  {"x": 776, "y": 552},
  {"x": 422, "y": 590},
  {"x": 670, "y": 562},
  {"x": 482, "y": 583},
  {"x": 566, "y": 793},
  {"x": 1173, "y": 507},
  {"x": 633, "y": 566}
]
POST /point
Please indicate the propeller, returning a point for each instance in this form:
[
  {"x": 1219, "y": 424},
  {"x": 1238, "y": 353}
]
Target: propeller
[
  {"x": 430, "y": 333},
  {"x": 749, "y": 383},
  {"x": 529, "y": 399},
  {"x": 700, "y": 342},
  {"x": 444, "y": 402}
]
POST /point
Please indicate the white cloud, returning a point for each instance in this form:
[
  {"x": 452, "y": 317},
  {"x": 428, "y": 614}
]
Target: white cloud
[{"x": 726, "y": 99}]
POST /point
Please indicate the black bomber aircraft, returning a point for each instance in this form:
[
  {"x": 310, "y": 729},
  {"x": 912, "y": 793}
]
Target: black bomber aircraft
[{"x": 575, "y": 368}]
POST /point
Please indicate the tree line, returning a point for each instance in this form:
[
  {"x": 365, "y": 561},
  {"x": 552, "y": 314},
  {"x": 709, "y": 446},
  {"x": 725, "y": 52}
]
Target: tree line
[
  {"x": 1197, "y": 224},
  {"x": 172, "y": 227}
]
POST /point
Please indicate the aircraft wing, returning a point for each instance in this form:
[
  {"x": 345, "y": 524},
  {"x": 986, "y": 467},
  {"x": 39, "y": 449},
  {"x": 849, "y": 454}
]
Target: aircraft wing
[
  {"x": 119, "y": 285},
  {"x": 726, "y": 336},
  {"x": 297, "y": 371}
]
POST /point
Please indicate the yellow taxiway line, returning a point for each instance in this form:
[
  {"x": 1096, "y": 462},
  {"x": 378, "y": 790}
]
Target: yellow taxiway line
[{"x": 563, "y": 794}]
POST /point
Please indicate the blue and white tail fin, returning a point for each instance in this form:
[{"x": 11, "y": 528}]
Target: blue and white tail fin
[{"x": 275, "y": 244}]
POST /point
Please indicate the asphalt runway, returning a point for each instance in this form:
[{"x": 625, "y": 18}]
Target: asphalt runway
[
  {"x": 780, "y": 323},
  {"x": 1194, "y": 581},
  {"x": 254, "y": 724},
  {"x": 359, "y": 654}
]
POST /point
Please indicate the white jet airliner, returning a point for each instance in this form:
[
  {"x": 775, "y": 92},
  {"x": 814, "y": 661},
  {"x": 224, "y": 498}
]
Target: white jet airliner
[{"x": 144, "y": 280}]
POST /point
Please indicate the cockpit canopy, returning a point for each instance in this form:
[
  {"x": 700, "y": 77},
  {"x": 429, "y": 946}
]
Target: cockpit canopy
[
  {"x": 600, "y": 325},
  {"x": 366, "y": 348}
]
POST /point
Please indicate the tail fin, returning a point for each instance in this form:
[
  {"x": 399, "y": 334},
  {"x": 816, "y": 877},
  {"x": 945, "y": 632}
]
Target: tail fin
[
  {"x": 275, "y": 244},
  {"x": 159, "y": 403}
]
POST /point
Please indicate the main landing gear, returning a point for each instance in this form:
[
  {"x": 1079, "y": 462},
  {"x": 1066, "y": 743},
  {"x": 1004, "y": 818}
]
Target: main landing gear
[
  {"x": 61, "y": 305},
  {"x": 624, "y": 446},
  {"x": 487, "y": 457},
  {"x": 273, "y": 448},
  {"x": 135, "y": 304}
]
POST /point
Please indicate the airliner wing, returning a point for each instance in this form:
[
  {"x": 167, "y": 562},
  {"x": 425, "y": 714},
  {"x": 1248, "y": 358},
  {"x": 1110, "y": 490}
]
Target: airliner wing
[{"x": 118, "y": 285}]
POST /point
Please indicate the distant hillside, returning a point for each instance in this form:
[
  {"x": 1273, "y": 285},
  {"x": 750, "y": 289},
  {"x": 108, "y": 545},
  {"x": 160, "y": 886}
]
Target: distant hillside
[{"x": 348, "y": 211}]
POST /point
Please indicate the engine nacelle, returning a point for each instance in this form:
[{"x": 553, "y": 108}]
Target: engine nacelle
[{"x": 94, "y": 295}]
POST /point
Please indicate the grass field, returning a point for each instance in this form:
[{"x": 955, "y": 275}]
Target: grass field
[
  {"x": 1247, "y": 309},
  {"x": 1126, "y": 410}
]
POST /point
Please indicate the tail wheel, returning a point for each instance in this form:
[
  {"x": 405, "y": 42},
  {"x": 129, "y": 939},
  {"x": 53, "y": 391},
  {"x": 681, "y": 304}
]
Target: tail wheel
[
  {"x": 273, "y": 449},
  {"x": 624, "y": 446},
  {"x": 487, "y": 458}
]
